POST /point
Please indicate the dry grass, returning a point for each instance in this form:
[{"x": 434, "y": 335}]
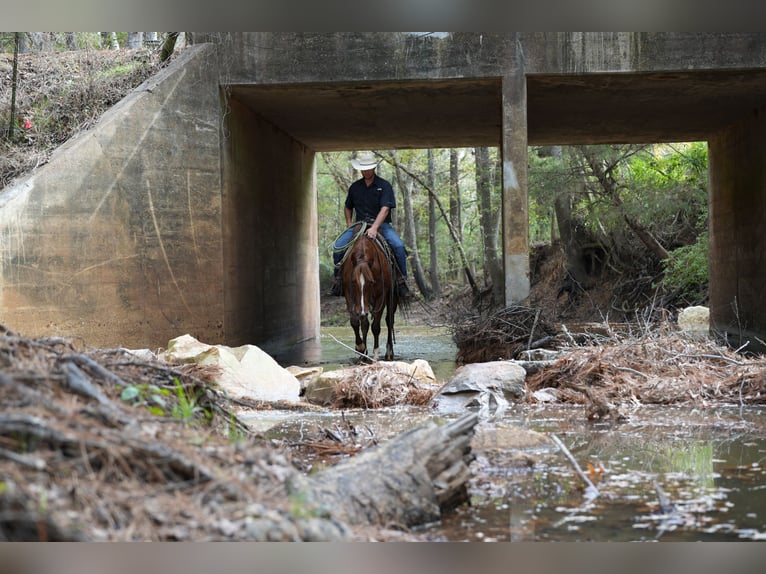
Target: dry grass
[
  {"x": 61, "y": 94},
  {"x": 376, "y": 386}
]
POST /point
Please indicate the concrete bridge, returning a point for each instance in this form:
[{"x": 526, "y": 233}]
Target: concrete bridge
[{"x": 191, "y": 207}]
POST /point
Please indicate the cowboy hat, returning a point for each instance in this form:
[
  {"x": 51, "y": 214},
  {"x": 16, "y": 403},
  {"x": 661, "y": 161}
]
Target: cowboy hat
[{"x": 366, "y": 160}]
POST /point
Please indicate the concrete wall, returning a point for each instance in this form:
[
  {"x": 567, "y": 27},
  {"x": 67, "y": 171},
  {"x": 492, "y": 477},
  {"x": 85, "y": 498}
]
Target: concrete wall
[
  {"x": 116, "y": 240},
  {"x": 271, "y": 256},
  {"x": 737, "y": 238}
]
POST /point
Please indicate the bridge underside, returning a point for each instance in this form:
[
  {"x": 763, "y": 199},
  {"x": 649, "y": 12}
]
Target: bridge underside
[{"x": 561, "y": 109}]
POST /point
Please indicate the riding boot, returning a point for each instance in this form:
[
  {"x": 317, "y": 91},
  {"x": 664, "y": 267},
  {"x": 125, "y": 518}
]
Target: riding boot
[
  {"x": 337, "y": 285},
  {"x": 401, "y": 286}
]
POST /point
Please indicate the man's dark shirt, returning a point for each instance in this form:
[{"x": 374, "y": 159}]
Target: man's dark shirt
[{"x": 367, "y": 201}]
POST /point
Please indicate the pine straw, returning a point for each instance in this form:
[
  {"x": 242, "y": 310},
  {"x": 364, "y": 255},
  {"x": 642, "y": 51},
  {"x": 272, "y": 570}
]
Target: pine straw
[
  {"x": 79, "y": 463},
  {"x": 663, "y": 369},
  {"x": 375, "y": 386}
]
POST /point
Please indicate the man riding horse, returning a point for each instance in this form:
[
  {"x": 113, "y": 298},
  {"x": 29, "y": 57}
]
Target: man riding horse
[{"x": 372, "y": 198}]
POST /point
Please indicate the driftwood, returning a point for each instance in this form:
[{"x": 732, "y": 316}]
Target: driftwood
[{"x": 406, "y": 481}]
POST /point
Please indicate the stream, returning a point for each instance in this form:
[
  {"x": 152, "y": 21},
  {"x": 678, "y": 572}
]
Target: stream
[{"x": 666, "y": 473}]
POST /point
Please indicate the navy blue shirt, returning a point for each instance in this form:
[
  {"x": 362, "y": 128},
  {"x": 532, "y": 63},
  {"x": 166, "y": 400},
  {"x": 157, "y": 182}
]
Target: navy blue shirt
[{"x": 367, "y": 201}]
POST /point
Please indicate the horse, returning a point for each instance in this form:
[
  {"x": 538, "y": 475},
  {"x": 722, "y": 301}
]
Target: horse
[{"x": 368, "y": 276}]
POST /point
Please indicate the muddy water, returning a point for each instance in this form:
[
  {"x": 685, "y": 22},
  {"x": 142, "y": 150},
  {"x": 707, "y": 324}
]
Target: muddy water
[{"x": 666, "y": 473}]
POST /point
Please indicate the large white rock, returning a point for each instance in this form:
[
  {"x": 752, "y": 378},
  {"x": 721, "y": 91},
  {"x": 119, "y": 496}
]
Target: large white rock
[
  {"x": 695, "y": 320},
  {"x": 246, "y": 371},
  {"x": 505, "y": 376}
]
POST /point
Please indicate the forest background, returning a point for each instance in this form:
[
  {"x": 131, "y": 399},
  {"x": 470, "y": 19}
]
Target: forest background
[{"x": 628, "y": 220}]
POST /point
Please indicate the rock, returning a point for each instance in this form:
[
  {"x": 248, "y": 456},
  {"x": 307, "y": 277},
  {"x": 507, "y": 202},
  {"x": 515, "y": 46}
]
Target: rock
[
  {"x": 306, "y": 375},
  {"x": 246, "y": 371},
  {"x": 487, "y": 386},
  {"x": 419, "y": 369},
  {"x": 142, "y": 354},
  {"x": 546, "y": 395},
  {"x": 540, "y": 355},
  {"x": 505, "y": 376},
  {"x": 695, "y": 321}
]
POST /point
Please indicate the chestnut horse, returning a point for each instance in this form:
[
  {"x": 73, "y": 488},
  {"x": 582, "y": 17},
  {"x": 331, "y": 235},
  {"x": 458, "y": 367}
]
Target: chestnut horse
[{"x": 369, "y": 286}]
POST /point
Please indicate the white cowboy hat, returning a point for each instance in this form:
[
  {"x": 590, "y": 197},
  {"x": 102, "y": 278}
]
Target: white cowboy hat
[{"x": 366, "y": 160}]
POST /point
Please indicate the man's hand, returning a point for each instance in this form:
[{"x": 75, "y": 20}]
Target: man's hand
[{"x": 372, "y": 232}]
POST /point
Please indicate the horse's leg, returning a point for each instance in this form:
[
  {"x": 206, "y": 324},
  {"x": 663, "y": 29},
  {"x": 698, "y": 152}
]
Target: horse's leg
[
  {"x": 376, "y": 334},
  {"x": 390, "y": 312},
  {"x": 359, "y": 325},
  {"x": 365, "y": 326}
]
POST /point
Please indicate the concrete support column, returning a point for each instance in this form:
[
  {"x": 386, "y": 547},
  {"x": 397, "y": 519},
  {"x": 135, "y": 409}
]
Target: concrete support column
[
  {"x": 515, "y": 195},
  {"x": 737, "y": 242}
]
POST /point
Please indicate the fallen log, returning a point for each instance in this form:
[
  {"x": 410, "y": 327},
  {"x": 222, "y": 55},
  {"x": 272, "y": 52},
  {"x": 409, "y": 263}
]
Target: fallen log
[{"x": 407, "y": 481}]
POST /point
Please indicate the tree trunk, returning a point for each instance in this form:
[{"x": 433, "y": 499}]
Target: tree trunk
[
  {"x": 410, "y": 236},
  {"x": 135, "y": 40},
  {"x": 493, "y": 270},
  {"x": 433, "y": 268},
  {"x": 168, "y": 46},
  {"x": 409, "y": 480},
  {"x": 455, "y": 210},
  {"x": 71, "y": 41},
  {"x": 14, "y": 84},
  {"x": 109, "y": 41}
]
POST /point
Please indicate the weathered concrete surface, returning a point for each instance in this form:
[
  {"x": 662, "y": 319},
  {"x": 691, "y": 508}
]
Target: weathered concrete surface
[
  {"x": 117, "y": 240},
  {"x": 737, "y": 235},
  {"x": 191, "y": 208}
]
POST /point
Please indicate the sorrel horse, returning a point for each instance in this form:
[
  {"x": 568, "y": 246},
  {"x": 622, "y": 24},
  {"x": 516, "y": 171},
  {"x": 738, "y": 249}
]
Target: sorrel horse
[{"x": 369, "y": 286}]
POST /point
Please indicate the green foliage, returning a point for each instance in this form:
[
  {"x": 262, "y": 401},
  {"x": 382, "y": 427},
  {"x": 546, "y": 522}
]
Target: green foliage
[
  {"x": 235, "y": 434},
  {"x": 187, "y": 406},
  {"x": 159, "y": 401},
  {"x": 122, "y": 69},
  {"x": 686, "y": 271},
  {"x": 149, "y": 396}
]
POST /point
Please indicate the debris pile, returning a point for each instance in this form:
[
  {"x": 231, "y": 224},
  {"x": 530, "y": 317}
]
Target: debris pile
[
  {"x": 502, "y": 334},
  {"x": 660, "y": 368}
]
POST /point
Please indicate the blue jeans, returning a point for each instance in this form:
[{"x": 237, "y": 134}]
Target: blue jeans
[{"x": 388, "y": 233}]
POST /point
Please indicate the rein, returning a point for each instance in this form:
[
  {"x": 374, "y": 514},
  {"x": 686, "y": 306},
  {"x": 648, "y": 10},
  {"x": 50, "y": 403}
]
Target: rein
[{"x": 347, "y": 248}]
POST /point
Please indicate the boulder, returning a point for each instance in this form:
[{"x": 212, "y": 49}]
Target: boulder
[
  {"x": 695, "y": 321},
  {"x": 487, "y": 386},
  {"x": 245, "y": 371}
]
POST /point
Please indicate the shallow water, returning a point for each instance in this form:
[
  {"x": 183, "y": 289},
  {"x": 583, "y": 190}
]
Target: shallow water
[
  {"x": 708, "y": 466},
  {"x": 666, "y": 473}
]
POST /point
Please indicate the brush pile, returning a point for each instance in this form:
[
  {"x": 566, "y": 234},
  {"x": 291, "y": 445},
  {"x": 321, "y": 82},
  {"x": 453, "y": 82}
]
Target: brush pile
[
  {"x": 501, "y": 334},
  {"x": 660, "y": 368}
]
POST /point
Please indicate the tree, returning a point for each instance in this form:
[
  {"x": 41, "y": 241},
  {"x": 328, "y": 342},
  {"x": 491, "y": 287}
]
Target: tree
[
  {"x": 14, "y": 84},
  {"x": 433, "y": 267},
  {"x": 493, "y": 270},
  {"x": 168, "y": 46},
  {"x": 405, "y": 185},
  {"x": 455, "y": 207}
]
